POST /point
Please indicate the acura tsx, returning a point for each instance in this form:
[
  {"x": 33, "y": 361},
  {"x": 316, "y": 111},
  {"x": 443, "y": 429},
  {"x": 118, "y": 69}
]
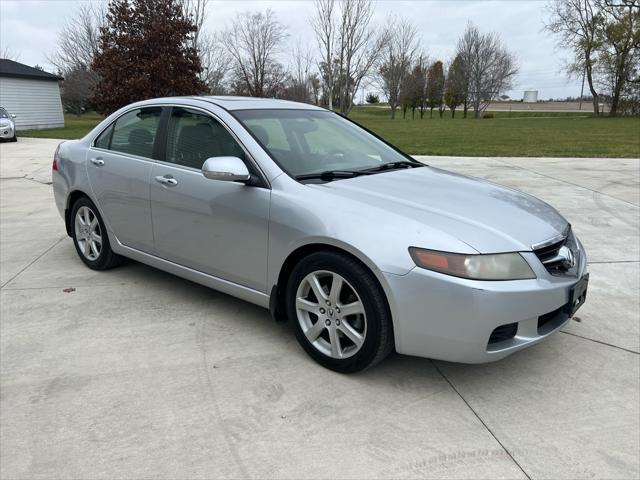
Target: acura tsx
[{"x": 299, "y": 210}]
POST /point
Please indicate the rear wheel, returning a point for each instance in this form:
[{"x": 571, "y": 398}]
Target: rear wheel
[
  {"x": 339, "y": 312},
  {"x": 90, "y": 237}
]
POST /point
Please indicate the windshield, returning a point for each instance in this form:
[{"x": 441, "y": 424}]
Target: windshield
[
  {"x": 304, "y": 142},
  {"x": 3, "y": 113}
]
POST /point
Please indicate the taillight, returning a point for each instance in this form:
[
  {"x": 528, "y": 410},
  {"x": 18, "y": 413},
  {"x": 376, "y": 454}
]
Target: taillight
[{"x": 55, "y": 159}]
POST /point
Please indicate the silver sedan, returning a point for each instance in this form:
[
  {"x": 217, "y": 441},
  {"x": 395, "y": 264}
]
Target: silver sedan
[
  {"x": 7, "y": 126},
  {"x": 294, "y": 208}
]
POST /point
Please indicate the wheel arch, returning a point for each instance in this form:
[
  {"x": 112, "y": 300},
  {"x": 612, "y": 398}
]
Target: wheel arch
[
  {"x": 277, "y": 293},
  {"x": 72, "y": 198}
]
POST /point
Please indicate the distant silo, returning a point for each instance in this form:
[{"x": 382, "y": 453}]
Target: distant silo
[{"x": 530, "y": 96}]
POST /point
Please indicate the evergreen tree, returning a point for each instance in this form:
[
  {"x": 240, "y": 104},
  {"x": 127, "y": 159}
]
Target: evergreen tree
[
  {"x": 435, "y": 86},
  {"x": 145, "y": 51}
]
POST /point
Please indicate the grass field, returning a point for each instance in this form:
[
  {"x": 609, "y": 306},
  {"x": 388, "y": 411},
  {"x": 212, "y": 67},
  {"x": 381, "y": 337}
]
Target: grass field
[
  {"x": 532, "y": 134},
  {"x": 74, "y": 127}
]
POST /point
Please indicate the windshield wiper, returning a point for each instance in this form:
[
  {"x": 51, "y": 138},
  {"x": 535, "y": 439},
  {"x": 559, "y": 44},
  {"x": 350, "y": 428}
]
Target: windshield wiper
[
  {"x": 329, "y": 175},
  {"x": 393, "y": 166}
]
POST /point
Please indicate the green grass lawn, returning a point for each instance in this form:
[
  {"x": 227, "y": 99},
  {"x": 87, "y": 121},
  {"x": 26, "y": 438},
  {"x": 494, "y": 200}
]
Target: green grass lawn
[
  {"x": 74, "y": 127},
  {"x": 532, "y": 134}
]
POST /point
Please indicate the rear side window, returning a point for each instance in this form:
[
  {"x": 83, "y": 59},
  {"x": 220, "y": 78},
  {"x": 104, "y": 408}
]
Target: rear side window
[
  {"x": 104, "y": 140},
  {"x": 135, "y": 132},
  {"x": 193, "y": 137}
]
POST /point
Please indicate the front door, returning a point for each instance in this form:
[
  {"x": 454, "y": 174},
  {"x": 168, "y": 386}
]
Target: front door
[
  {"x": 219, "y": 228},
  {"x": 119, "y": 167}
]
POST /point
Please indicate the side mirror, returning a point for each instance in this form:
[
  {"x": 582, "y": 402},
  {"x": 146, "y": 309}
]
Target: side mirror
[
  {"x": 226, "y": 169},
  {"x": 13, "y": 116}
]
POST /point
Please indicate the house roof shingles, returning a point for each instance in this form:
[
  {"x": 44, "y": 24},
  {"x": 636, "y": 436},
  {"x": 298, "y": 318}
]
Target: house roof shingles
[{"x": 9, "y": 68}]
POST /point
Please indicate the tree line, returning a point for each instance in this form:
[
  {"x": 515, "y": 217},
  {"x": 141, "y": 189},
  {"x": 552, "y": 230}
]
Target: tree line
[
  {"x": 137, "y": 49},
  {"x": 481, "y": 69}
]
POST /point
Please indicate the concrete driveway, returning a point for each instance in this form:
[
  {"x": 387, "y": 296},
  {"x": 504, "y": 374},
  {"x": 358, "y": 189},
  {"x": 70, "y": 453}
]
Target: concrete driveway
[{"x": 134, "y": 373}]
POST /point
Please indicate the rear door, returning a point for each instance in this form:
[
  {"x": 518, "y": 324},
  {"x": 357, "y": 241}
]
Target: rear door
[
  {"x": 119, "y": 166},
  {"x": 216, "y": 227}
]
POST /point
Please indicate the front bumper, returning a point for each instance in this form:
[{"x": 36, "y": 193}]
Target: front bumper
[
  {"x": 447, "y": 318},
  {"x": 7, "y": 132}
]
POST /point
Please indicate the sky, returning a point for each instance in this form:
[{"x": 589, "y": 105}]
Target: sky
[{"x": 29, "y": 28}]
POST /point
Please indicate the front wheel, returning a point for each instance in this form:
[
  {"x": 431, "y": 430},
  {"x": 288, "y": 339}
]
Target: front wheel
[
  {"x": 339, "y": 312},
  {"x": 90, "y": 237}
]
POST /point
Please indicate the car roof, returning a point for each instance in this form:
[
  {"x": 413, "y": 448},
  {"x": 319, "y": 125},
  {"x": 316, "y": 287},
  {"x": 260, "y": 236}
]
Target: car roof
[
  {"x": 241, "y": 103},
  {"x": 251, "y": 103}
]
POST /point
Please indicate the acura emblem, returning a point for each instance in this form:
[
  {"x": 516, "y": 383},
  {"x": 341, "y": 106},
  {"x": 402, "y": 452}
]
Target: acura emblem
[{"x": 568, "y": 259}]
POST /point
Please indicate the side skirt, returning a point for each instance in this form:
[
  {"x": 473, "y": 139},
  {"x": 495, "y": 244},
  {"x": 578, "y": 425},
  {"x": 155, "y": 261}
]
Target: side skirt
[{"x": 219, "y": 284}]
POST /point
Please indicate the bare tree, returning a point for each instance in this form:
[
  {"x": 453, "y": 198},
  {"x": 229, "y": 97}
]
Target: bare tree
[
  {"x": 214, "y": 58},
  {"x": 77, "y": 88},
  {"x": 618, "y": 54},
  {"x": 8, "y": 54},
  {"x": 359, "y": 46},
  {"x": 77, "y": 46},
  {"x": 299, "y": 84},
  {"x": 197, "y": 11},
  {"x": 253, "y": 41},
  {"x": 350, "y": 47},
  {"x": 420, "y": 82},
  {"x": 324, "y": 28},
  {"x": 489, "y": 67},
  {"x": 315, "y": 83},
  {"x": 78, "y": 40},
  {"x": 575, "y": 25},
  {"x": 216, "y": 63},
  {"x": 398, "y": 53}
]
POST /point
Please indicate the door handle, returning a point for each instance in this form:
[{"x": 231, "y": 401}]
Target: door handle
[
  {"x": 98, "y": 162},
  {"x": 167, "y": 180}
]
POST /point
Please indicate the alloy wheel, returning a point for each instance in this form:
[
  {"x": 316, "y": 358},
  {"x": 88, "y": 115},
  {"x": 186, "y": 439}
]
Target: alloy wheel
[
  {"x": 88, "y": 233},
  {"x": 331, "y": 314}
]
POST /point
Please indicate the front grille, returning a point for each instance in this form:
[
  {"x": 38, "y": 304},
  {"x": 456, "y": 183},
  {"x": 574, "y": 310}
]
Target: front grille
[
  {"x": 545, "y": 254},
  {"x": 503, "y": 332},
  {"x": 554, "y": 257}
]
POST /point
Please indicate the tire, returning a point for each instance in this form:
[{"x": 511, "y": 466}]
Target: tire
[
  {"x": 90, "y": 235},
  {"x": 14, "y": 139},
  {"x": 349, "y": 329}
]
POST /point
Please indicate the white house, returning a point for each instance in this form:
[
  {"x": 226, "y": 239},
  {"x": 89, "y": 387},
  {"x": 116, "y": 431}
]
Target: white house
[{"x": 32, "y": 95}]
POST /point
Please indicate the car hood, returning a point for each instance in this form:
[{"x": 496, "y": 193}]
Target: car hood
[{"x": 489, "y": 218}]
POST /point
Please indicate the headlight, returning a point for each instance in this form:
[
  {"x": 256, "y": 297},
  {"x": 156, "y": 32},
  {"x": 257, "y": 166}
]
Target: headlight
[{"x": 500, "y": 266}]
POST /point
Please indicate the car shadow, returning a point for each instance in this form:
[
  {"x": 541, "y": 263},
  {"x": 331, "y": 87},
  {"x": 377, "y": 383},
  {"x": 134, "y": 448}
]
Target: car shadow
[{"x": 254, "y": 324}]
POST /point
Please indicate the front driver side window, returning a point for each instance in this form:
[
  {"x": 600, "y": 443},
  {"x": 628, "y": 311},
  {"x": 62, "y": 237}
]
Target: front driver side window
[
  {"x": 135, "y": 132},
  {"x": 193, "y": 137}
]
